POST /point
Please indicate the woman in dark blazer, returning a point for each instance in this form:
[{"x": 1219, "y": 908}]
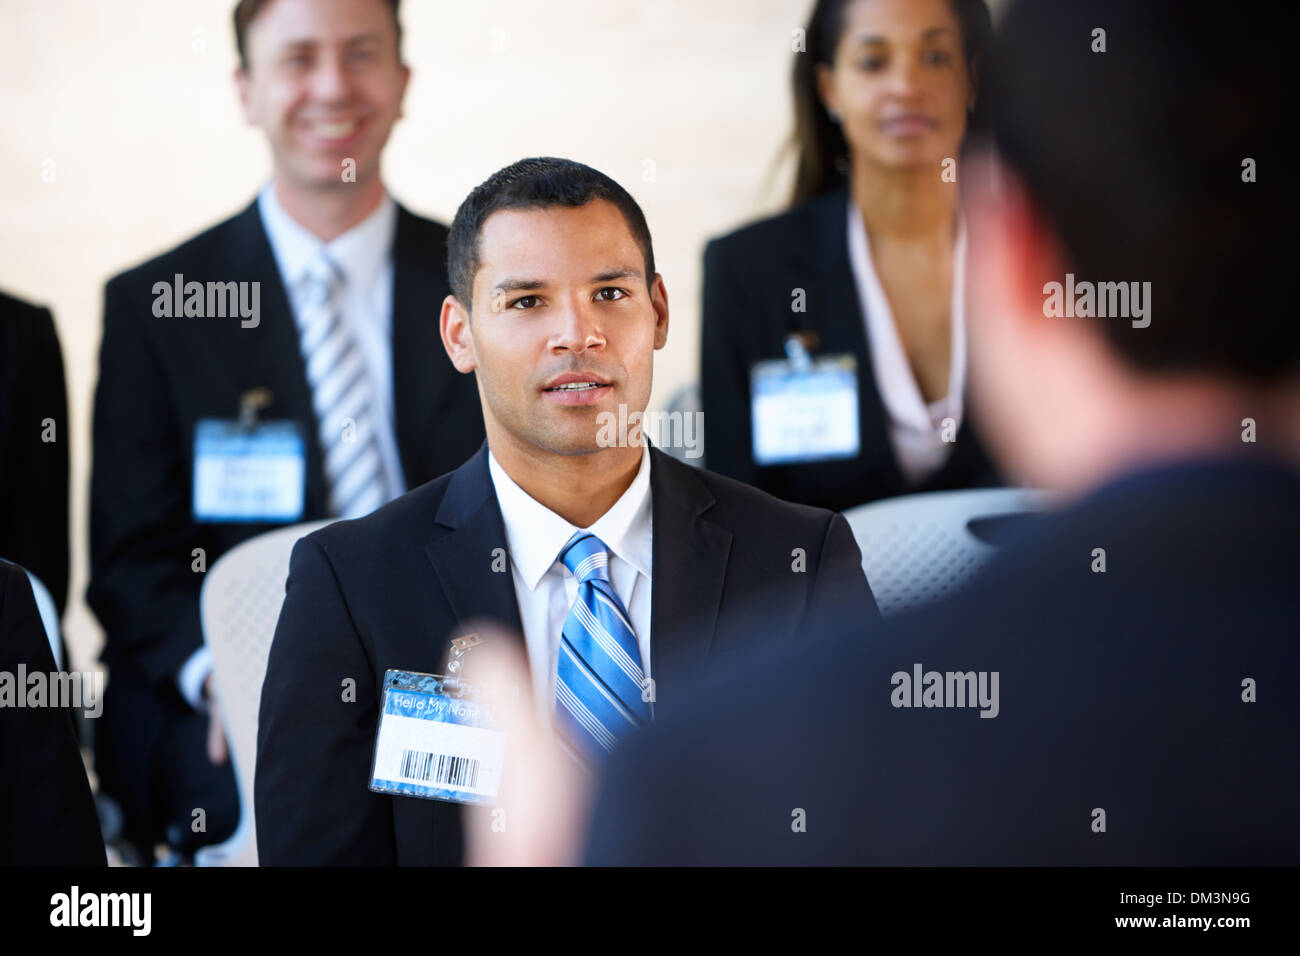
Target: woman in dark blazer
[{"x": 867, "y": 262}]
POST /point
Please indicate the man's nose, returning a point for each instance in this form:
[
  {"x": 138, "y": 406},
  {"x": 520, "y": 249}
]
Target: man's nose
[
  {"x": 331, "y": 81},
  {"x": 577, "y": 327}
]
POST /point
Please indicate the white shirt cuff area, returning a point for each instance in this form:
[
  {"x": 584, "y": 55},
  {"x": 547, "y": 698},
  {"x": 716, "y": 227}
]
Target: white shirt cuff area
[{"x": 192, "y": 677}]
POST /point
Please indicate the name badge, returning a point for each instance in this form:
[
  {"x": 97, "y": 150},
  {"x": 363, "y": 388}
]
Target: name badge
[
  {"x": 804, "y": 410},
  {"x": 436, "y": 740},
  {"x": 249, "y": 472}
]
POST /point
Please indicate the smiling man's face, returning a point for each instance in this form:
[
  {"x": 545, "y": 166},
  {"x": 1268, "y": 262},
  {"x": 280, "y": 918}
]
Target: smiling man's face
[
  {"x": 325, "y": 83},
  {"x": 564, "y": 325}
]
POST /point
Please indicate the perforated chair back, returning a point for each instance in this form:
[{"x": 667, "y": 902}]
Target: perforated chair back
[
  {"x": 917, "y": 549},
  {"x": 239, "y": 606}
]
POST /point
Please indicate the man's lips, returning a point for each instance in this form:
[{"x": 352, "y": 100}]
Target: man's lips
[
  {"x": 334, "y": 132},
  {"x": 575, "y": 388}
]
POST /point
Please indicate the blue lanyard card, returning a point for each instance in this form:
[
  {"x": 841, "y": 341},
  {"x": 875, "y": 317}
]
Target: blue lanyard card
[
  {"x": 248, "y": 473},
  {"x": 436, "y": 740},
  {"x": 804, "y": 411}
]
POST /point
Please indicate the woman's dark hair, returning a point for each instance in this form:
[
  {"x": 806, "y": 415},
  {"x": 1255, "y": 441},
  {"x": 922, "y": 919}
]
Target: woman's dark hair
[{"x": 819, "y": 143}]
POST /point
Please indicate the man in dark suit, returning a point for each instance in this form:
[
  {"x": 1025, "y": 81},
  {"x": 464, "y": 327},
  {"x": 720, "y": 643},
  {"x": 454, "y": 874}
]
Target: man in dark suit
[
  {"x": 1114, "y": 688},
  {"x": 557, "y": 309},
  {"x": 325, "y": 340},
  {"x": 47, "y": 814},
  {"x": 33, "y": 446}
]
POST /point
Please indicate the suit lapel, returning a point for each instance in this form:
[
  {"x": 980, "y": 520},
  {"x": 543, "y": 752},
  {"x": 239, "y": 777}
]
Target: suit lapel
[
  {"x": 463, "y": 559},
  {"x": 269, "y": 354},
  {"x": 690, "y": 564}
]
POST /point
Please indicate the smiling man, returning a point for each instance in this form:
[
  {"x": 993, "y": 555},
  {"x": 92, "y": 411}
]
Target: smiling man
[
  {"x": 327, "y": 398},
  {"x": 625, "y": 572}
]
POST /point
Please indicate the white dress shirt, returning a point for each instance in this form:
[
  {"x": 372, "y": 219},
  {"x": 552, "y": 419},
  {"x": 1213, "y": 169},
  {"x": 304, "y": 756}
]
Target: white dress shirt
[
  {"x": 915, "y": 427},
  {"x": 545, "y": 589},
  {"x": 365, "y": 255}
]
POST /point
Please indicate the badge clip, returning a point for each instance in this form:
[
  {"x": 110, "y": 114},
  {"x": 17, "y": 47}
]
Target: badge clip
[
  {"x": 251, "y": 404},
  {"x": 460, "y": 647},
  {"x": 797, "y": 345}
]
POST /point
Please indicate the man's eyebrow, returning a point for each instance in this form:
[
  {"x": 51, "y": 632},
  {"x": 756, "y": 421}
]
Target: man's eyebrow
[
  {"x": 530, "y": 285},
  {"x": 355, "y": 40},
  {"x": 518, "y": 285},
  {"x": 611, "y": 274}
]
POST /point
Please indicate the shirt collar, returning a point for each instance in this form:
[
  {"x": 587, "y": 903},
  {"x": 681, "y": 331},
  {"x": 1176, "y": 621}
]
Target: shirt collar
[
  {"x": 361, "y": 252},
  {"x": 535, "y": 534}
]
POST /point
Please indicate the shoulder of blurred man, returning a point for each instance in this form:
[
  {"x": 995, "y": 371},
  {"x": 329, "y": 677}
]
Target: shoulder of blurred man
[
  {"x": 47, "y": 812},
  {"x": 1114, "y": 687}
]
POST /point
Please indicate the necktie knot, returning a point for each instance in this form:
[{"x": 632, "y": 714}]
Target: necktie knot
[
  {"x": 586, "y": 556},
  {"x": 321, "y": 281}
]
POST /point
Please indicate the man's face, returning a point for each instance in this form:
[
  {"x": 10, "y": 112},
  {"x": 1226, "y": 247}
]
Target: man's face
[
  {"x": 325, "y": 84},
  {"x": 563, "y": 328}
]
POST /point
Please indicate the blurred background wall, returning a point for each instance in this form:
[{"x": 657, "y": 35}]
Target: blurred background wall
[{"x": 123, "y": 136}]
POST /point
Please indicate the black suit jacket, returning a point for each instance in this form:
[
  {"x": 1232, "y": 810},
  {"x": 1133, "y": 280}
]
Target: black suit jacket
[
  {"x": 1119, "y": 691},
  {"x": 749, "y": 282},
  {"x": 34, "y": 474},
  {"x": 159, "y": 376},
  {"x": 47, "y": 815},
  {"x": 388, "y": 590}
]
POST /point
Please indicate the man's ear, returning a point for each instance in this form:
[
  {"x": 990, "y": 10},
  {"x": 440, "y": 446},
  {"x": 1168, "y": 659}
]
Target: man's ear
[
  {"x": 457, "y": 337},
  {"x": 659, "y": 300},
  {"x": 242, "y": 85},
  {"x": 401, "y": 96},
  {"x": 1014, "y": 243}
]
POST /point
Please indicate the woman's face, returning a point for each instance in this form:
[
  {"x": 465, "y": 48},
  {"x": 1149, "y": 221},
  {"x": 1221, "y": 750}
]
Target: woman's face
[{"x": 899, "y": 83}]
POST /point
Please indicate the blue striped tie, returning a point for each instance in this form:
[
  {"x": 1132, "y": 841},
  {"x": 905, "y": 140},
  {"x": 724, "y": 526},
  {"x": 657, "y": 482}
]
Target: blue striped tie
[
  {"x": 598, "y": 679},
  {"x": 341, "y": 396}
]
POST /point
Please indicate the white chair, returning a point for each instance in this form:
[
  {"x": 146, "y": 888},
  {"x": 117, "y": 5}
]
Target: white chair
[
  {"x": 239, "y": 605},
  {"x": 917, "y": 549}
]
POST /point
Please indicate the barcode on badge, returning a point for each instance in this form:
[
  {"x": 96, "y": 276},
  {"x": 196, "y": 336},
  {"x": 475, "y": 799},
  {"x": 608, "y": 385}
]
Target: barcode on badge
[{"x": 443, "y": 769}]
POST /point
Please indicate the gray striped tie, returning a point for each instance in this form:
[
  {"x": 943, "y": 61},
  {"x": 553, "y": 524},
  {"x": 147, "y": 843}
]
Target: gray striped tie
[{"x": 341, "y": 394}]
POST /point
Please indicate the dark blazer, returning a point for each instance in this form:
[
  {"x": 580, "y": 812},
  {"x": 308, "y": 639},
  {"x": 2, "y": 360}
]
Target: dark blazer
[
  {"x": 159, "y": 376},
  {"x": 1119, "y": 691},
  {"x": 34, "y": 474},
  {"x": 47, "y": 815},
  {"x": 749, "y": 280},
  {"x": 386, "y": 591}
]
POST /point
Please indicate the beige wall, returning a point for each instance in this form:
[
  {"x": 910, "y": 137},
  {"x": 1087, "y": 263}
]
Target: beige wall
[{"x": 123, "y": 136}]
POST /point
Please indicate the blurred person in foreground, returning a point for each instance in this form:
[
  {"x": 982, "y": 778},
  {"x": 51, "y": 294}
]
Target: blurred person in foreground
[{"x": 1113, "y": 688}]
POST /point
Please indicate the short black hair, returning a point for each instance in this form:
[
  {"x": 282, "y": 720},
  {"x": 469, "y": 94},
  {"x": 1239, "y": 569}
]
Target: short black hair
[
  {"x": 1136, "y": 158},
  {"x": 537, "y": 183}
]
